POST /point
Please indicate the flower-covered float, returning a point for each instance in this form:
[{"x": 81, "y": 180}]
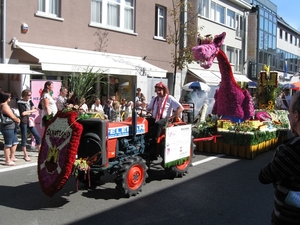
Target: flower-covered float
[
  {"x": 57, "y": 157},
  {"x": 241, "y": 130}
]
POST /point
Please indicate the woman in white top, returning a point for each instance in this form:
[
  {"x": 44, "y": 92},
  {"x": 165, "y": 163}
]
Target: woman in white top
[
  {"x": 48, "y": 103},
  {"x": 83, "y": 106}
]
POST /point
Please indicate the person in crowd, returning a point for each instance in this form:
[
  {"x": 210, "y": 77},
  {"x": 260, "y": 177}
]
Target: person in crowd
[
  {"x": 115, "y": 112},
  {"x": 285, "y": 99},
  {"x": 9, "y": 131},
  {"x": 123, "y": 108},
  {"x": 108, "y": 108},
  {"x": 97, "y": 107},
  {"x": 284, "y": 172},
  {"x": 141, "y": 108},
  {"x": 48, "y": 103},
  {"x": 83, "y": 105},
  {"x": 128, "y": 110},
  {"x": 162, "y": 107},
  {"x": 61, "y": 100},
  {"x": 26, "y": 108},
  {"x": 139, "y": 95},
  {"x": 112, "y": 98}
]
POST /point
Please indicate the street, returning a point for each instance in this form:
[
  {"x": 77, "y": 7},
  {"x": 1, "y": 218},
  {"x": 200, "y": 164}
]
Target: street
[{"x": 217, "y": 190}]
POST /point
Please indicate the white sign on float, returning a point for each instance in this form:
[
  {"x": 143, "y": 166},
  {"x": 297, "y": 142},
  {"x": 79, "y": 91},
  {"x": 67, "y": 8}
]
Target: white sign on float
[{"x": 178, "y": 142}]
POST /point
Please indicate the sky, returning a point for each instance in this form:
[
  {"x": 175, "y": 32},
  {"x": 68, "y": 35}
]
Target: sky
[{"x": 289, "y": 11}]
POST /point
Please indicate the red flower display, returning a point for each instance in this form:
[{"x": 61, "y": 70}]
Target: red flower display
[{"x": 58, "y": 151}]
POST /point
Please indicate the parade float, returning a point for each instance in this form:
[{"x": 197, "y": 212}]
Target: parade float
[{"x": 234, "y": 127}]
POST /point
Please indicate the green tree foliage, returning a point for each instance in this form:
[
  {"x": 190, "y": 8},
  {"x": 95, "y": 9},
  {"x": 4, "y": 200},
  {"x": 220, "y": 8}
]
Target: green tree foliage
[{"x": 183, "y": 25}]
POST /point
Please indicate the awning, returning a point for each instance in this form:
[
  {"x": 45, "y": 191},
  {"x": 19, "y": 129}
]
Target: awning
[
  {"x": 241, "y": 78},
  {"x": 237, "y": 77},
  {"x": 54, "y": 58},
  {"x": 206, "y": 76},
  {"x": 16, "y": 69}
]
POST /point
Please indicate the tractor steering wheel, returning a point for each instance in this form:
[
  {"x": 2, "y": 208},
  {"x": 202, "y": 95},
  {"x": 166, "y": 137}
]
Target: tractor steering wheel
[{"x": 143, "y": 113}]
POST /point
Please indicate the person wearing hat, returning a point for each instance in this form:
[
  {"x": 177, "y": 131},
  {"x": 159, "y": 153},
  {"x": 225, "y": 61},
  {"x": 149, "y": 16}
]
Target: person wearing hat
[{"x": 163, "y": 107}]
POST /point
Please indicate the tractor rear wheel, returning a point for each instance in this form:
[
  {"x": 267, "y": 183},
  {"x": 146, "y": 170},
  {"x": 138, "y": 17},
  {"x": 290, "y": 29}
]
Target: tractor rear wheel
[{"x": 131, "y": 176}]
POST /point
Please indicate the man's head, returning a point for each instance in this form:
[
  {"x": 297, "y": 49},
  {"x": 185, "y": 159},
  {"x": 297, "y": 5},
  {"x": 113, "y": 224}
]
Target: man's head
[
  {"x": 294, "y": 114},
  {"x": 97, "y": 101},
  {"x": 63, "y": 91},
  {"x": 161, "y": 89}
]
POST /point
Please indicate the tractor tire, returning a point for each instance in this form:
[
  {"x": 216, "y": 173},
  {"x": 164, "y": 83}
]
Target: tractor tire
[
  {"x": 131, "y": 176},
  {"x": 180, "y": 170}
]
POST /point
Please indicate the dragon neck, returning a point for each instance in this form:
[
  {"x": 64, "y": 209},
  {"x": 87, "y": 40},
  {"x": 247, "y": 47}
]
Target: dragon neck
[{"x": 226, "y": 71}]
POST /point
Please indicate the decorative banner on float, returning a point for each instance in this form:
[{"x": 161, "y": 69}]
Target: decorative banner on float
[
  {"x": 178, "y": 143},
  {"x": 58, "y": 151}
]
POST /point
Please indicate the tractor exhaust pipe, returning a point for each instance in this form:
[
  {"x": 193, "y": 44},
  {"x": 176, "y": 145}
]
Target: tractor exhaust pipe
[{"x": 134, "y": 113}]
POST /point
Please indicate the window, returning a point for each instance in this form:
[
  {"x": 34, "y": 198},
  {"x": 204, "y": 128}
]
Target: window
[
  {"x": 160, "y": 22},
  {"x": 238, "y": 60},
  {"x": 220, "y": 14},
  {"x": 203, "y": 8},
  {"x": 217, "y": 13},
  {"x": 239, "y": 32},
  {"x": 230, "y": 18},
  {"x": 291, "y": 39},
  {"x": 115, "y": 14},
  {"x": 49, "y": 7},
  {"x": 230, "y": 54},
  {"x": 296, "y": 39},
  {"x": 280, "y": 33},
  {"x": 286, "y": 36}
]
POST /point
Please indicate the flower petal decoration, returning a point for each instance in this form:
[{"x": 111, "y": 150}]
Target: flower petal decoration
[{"x": 58, "y": 151}]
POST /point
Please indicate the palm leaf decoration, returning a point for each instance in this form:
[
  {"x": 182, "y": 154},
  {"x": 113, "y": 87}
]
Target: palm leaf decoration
[{"x": 83, "y": 84}]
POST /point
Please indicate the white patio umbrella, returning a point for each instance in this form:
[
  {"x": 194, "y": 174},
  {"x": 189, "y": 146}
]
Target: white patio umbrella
[{"x": 196, "y": 85}]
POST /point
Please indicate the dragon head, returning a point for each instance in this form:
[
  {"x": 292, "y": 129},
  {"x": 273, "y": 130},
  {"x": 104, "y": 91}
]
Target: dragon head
[{"x": 207, "y": 49}]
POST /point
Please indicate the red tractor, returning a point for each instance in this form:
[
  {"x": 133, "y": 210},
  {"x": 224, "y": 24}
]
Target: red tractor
[
  {"x": 92, "y": 146},
  {"x": 127, "y": 149}
]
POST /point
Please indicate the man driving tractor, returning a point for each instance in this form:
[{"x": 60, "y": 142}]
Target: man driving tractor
[{"x": 162, "y": 107}]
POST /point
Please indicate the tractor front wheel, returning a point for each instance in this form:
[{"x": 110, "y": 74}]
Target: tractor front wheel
[{"x": 132, "y": 176}]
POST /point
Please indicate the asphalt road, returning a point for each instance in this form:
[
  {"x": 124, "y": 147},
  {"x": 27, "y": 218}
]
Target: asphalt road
[{"x": 217, "y": 190}]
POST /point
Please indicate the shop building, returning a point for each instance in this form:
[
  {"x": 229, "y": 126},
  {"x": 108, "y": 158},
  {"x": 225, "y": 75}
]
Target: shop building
[{"x": 57, "y": 38}]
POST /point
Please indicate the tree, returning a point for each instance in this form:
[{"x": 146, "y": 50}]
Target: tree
[{"x": 182, "y": 33}]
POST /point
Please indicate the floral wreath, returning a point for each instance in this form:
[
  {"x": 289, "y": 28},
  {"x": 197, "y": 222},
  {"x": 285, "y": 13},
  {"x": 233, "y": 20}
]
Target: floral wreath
[{"x": 58, "y": 151}]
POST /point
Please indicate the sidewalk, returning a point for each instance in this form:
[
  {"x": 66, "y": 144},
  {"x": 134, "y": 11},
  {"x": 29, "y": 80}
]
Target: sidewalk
[{"x": 32, "y": 153}]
